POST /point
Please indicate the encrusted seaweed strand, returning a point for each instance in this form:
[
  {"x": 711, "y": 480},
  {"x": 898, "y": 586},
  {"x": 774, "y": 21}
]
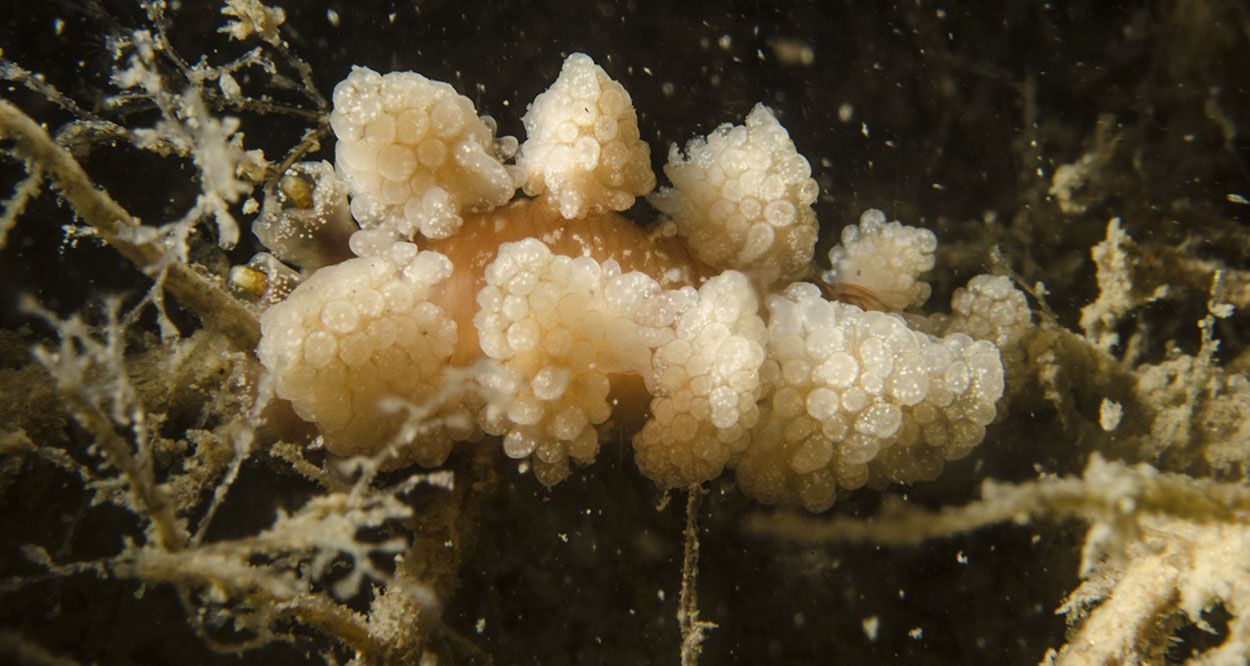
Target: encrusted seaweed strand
[
  {"x": 199, "y": 293},
  {"x": 692, "y": 628}
]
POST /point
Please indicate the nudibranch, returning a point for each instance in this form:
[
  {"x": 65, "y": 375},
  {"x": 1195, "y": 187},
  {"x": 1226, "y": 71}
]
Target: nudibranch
[{"x": 435, "y": 306}]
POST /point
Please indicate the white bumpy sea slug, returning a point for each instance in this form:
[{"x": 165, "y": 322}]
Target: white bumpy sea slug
[
  {"x": 891, "y": 257},
  {"x": 361, "y": 331},
  {"x": 415, "y": 153},
  {"x": 548, "y": 321},
  {"x": 859, "y": 398},
  {"x": 582, "y": 148},
  {"x": 706, "y": 384},
  {"x": 742, "y": 198}
]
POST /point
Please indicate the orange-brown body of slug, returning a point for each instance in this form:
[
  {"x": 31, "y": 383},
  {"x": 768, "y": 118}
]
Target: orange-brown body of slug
[{"x": 601, "y": 237}]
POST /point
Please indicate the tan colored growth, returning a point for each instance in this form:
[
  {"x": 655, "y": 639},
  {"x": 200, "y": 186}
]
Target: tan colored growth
[{"x": 557, "y": 317}]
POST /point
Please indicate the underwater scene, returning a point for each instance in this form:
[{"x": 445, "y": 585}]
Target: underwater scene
[{"x": 624, "y": 332}]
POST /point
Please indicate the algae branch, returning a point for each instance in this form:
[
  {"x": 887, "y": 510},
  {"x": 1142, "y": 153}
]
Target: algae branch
[{"x": 430, "y": 333}]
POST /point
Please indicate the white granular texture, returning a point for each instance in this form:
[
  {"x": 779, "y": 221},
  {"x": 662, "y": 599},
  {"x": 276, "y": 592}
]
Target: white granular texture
[
  {"x": 706, "y": 386},
  {"x": 886, "y": 258},
  {"x": 582, "y": 146},
  {"x": 415, "y": 153},
  {"x": 555, "y": 329},
  {"x": 357, "y": 333},
  {"x": 742, "y": 197},
  {"x": 859, "y": 398},
  {"x": 990, "y": 308}
]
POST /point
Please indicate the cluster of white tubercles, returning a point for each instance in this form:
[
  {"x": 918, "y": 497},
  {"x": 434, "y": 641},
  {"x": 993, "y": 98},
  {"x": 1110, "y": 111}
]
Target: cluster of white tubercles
[
  {"x": 706, "y": 385},
  {"x": 742, "y": 197},
  {"x": 859, "y": 398},
  {"x": 555, "y": 328},
  {"x": 415, "y": 153},
  {"x": 822, "y": 397},
  {"x": 885, "y": 258},
  {"x": 582, "y": 147},
  {"x": 354, "y": 336},
  {"x": 990, "y": 308}
]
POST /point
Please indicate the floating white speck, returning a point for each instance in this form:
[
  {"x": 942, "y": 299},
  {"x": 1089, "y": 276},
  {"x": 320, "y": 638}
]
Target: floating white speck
[
  {"x": 792, "y": 51},
  {"x": 871, "y": 625}
]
